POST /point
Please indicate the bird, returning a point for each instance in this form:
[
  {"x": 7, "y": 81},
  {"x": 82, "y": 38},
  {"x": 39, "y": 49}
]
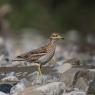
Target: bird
[{"x": 42, "y": 55}]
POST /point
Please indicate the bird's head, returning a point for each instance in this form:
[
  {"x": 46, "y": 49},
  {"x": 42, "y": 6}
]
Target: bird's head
[{"x": 56, "y": 36}]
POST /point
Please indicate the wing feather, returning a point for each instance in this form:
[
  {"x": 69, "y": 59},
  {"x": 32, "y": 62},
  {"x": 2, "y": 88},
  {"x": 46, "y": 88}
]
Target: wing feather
[{"x": 34, "y": 54}]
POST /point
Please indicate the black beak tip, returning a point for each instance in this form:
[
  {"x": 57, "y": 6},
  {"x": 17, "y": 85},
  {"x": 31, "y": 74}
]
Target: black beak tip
[{"x": 62, "y": 38}]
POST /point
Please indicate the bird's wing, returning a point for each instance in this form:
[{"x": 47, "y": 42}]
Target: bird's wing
[
  {"x": 34, "y": 54},
  {"x": 35, "y": 57}
]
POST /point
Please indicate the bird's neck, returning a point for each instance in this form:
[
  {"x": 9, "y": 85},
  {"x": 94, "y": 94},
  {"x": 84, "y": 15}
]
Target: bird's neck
[
  {"x": 52, "y": 42},
  {"x": 51, "y": 45}
]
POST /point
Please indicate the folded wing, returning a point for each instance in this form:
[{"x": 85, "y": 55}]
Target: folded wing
[{"x": 33, "y": 55}]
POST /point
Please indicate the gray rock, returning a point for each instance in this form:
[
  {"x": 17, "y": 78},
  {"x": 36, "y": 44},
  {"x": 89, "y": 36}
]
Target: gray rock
[
  {"x": 19, "y": 87},
  {"x": 10, "y": 77},
  {"x": 68, "y": 76},
  {"x": 40, "y": 80},
  {"x": 54, "y": 88},
  {"x": 75, "y": 93},
  {"x": 1, "y": 93}
]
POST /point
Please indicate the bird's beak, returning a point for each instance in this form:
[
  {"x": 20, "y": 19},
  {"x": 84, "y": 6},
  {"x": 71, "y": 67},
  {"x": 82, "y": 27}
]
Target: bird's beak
[{"x": 60, "y": 37}]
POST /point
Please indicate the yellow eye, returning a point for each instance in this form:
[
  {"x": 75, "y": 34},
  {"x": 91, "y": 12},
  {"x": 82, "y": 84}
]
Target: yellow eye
[{"x": 55, "y": 35}]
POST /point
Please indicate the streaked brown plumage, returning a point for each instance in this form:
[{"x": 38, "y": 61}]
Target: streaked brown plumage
[{"x": 42, "y": 55}]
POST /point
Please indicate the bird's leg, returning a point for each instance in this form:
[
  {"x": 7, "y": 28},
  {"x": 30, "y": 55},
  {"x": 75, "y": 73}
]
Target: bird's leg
[{"x": 39, "y": 70}]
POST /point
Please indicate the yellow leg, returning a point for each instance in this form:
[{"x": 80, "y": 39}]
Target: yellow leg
[{"x": 39, "y": 70}]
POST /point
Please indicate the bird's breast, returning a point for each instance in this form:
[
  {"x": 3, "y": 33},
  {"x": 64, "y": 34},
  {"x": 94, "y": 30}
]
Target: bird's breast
[{"x": 46, "y": 58}]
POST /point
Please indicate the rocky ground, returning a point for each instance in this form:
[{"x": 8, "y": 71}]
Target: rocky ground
[
  {"x": 68, "y": 76},
  {"x": 55, "y": 81}
]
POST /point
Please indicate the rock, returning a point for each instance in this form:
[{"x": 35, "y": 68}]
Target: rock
[
  {"x": 75, "y": 93},
  {"x": 3, "y": 61},
  {"x": 10, "y": 77},
  {"x": 63, "y": 68},
  {"x": 1, "y": 93},
  {"x": 68, "y": 76},
  {"x": 91, "y": 88},
  {"x": 40, "y": 80},
  {"x": 54, "y": 88},
  {"x": 29, "y": 91},
  {"x": 19, "y": 86},
  {"x": 5, "y": 88}
]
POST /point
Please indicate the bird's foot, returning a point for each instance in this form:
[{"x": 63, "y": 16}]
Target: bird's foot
[{"x": 39, "y": 76}]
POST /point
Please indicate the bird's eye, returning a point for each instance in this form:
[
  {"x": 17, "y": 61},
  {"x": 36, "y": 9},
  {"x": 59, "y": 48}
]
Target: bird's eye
[{"x": 55, "y": 35}]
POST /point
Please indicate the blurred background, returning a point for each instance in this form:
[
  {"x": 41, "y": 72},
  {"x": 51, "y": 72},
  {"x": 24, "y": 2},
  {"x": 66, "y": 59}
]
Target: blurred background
[{"x": 27, "y": 24}]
